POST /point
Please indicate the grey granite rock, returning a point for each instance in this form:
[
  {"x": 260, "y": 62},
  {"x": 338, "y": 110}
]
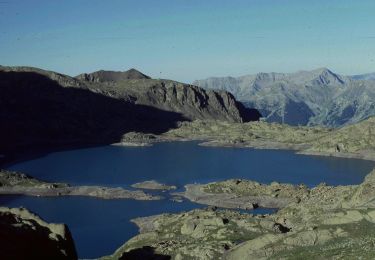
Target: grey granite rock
[{"x": 318, "y": 97}]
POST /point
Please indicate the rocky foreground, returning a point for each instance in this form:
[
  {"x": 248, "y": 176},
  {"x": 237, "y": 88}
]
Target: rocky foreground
[
  {"x": 14, "y": 183},
  {"x": 318, "y": 223},
  {"x": 24, "y": 235}
]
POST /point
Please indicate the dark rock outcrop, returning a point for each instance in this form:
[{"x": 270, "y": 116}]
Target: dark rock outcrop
[
  {"x": 190, "y": 101},
  {"x": 38, "y": 111},
  {"x": 145, "y": 253},
  {"x": 24, "y": 235}
]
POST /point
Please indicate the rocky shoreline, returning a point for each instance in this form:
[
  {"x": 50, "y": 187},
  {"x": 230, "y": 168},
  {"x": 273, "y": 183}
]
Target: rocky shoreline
[
  {"x": 24, "y": 235},
  {"x": 14, "y": 183},
  {"x": 332, "y": 222},
  {"x": 153, "y": 185},
  {"x": 353, "y": 141},
  {"x": 87, "y": 191},
  {"x": 338, "y": 220},
  {"x": 197, "y": 193}
]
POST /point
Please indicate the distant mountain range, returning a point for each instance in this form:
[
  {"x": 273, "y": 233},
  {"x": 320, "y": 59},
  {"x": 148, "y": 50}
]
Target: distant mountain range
[
  {"x": 317, "y": 97},
  {"x": 45, "y": 108}
]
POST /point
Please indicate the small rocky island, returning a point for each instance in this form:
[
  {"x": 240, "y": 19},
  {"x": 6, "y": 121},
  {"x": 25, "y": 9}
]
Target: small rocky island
[{"x": 153, "y": 185}]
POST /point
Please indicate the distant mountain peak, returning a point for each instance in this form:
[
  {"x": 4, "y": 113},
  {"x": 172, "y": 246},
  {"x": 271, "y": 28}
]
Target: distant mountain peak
[
  {"x": 306, "y": 97},
  {"x": 112, "y": 76},
  {"x": 326, "y": 76}
]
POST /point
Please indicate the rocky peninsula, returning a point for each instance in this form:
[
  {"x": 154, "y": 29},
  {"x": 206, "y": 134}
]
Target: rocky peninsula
[
  {"x": 352, "y": 141},
  {"x": 153, "y": 185},
  {"x": 244, "y": 194},
  {"x": 21, "y": 184}
]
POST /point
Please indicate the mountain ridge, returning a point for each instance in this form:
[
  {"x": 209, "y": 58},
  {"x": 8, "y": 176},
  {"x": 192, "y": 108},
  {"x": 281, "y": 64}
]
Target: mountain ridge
[
  {"x": 48, "y": 109},
  {"x": 316, "y": 97},
  {"x": 112, "y": 76}
]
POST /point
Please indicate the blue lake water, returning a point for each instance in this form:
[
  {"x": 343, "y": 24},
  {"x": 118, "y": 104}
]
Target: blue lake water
[{"x": 101, "y": 226}]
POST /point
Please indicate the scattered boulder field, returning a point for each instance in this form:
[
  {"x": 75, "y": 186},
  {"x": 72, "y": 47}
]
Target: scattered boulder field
[
  {"x": 325, "y": 221},
  {"x": 352, "y": 141}
]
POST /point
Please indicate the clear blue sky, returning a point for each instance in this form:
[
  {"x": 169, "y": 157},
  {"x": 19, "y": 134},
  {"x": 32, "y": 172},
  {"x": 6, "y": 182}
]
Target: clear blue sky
[{"x": 190, "y": 39}]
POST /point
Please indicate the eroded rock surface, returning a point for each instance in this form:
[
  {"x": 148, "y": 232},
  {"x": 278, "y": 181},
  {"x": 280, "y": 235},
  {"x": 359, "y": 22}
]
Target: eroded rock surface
[
  {"x": 19, "y": 183},
  {"x": 153, "y": 185},
  {"x": 353, "y": 141},
  {"x": 325, "y": 221},
  {"x": 24, "y": 235}
]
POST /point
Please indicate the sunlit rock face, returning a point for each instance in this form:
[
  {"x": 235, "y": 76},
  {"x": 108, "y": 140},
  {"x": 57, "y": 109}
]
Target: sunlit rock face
[{"x": 317, "y": 97}]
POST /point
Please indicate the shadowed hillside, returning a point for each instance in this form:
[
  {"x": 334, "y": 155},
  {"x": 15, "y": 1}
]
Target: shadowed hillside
[
  {"x": 36, "y": 110},
  {"x": 44, "y": 109},
  {"x": 23, "y": 235},
  {"x": 191, "y": 101}
]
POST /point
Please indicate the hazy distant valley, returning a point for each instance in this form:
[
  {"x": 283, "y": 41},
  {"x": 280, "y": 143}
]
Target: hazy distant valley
[{"x": 318, "y": 97}]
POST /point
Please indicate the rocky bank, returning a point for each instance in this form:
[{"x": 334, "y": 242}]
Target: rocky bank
[
  {"x": 24, "y": 235},
  {"x": 324, "y": 222},
  {"x": 353, "y": 141},
  {"x": 21, "y": 184}
]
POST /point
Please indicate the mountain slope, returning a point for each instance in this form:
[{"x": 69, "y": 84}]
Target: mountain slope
[
  {"x": 44, "y": 108},
  {"x": 191, "y": 101},
  {"x": 318, "y": 97}
]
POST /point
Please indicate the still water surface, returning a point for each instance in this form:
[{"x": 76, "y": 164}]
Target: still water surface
[{"x": 101, "y": 226}]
